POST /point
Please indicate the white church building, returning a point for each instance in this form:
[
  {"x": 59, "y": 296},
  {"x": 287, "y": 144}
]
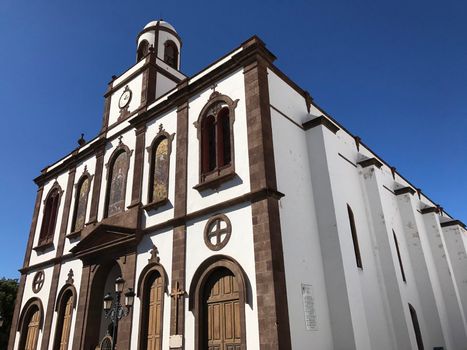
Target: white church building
[{"x": 228, "y": 211}]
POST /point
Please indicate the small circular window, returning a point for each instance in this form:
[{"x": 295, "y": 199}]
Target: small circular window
[
  {"x": 38, "y": 281},
  {"x": 217, "y": 232}
]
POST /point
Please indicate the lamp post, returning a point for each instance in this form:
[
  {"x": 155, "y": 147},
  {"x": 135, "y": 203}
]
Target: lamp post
[{"x": 113, "y": 308}]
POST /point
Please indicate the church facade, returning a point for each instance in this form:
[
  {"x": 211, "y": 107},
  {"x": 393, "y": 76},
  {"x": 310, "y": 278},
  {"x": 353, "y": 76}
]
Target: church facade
[{"x": 230, "y": 212}]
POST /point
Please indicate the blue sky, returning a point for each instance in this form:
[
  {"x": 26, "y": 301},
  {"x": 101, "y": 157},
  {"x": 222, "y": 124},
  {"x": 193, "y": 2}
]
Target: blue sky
[{"x": 393, "y": 73}]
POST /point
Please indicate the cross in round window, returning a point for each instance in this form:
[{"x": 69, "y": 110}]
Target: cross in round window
[
  {"x": 38, "y": 281},
  {"x": 217, "y": 232}
]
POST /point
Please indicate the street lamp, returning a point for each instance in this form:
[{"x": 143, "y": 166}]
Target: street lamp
[{"x": 113, "y": 309}]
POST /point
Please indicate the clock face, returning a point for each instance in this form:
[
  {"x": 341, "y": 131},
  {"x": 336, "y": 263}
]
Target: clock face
[{"x": 124, "y": 98}]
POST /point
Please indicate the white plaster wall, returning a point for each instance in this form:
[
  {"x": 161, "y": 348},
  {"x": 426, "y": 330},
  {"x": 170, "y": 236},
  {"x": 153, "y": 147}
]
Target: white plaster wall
[
  {"x": 76, "y": 266},
  {"x": 128, "y": 72},
  {"x": 163, "y": 85},
  {"x": 214, "y": 65},
  {"x": 148, "y": 36},
  {"x": 37, "y": 257},
  {"x": 234, "y": 87},
  {"x": 286, "y": 99},
  {"x": 240, "y": 247},
  {"x": 135, "y": 85},
  {"x": 129, "y": 140},
  {"x": 43, "y": 295},
  {"x": 164, "y": 213},
  {"x": 90, "y": 164},
  {"x": 300, "y": 238},
  {"x": 163, "y": 241}
]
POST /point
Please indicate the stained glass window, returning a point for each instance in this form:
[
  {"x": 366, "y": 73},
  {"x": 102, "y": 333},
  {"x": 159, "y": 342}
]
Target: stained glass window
[
  {"x": 116, "y": 202},
  {"x": 81, "y": 204},
  {"x": 160, "y": 171}
]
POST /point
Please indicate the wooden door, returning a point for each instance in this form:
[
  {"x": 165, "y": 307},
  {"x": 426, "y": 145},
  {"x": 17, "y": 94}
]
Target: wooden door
[
  {"x": 66, "y": 323},
  {"x": 154, "y": 314},
  {"x": 32, "y": 331},
  {"x": 223, "y": 312}
]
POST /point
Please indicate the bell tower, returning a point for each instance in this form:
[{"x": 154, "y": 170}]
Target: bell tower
[{"x": 155, "y": 72}]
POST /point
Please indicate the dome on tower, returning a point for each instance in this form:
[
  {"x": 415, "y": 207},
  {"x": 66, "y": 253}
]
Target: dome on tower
[{"x": 161, "y": 23}]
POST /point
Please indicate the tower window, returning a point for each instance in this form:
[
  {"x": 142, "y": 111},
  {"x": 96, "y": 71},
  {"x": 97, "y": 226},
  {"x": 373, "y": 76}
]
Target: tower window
[
  {"x": 171, "y": 54},
  {"x": 143, "y": 50}
]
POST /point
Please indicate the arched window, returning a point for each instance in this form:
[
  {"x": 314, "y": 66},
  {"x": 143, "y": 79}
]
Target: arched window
[
  {"x": 81, "y": 202},
  {"x": 116, "y": 181},
  {"x": 215, "y": 132},
  {"x": 49, "y": 220},
  {"x": 159, "y": 153},
  {"x": 416, "y": 327},
  {"x": 30, "y": 324},
  {"x": 353, "y": 231},
  {"x": 171, "y": 54},
  {"x": 65, "y": 307},
  {"x": 143, "y": 50},
  {"x": 217, "y": 299}
]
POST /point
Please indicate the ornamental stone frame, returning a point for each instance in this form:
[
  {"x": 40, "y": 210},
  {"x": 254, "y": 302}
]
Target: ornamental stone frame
[
  {"x": 218, "y": 175},
  {"x": 77, "y": 188},
  {"x": 160, "y": 136},
  {"x": 33, "y": 302},
  {"x": 109, "y": 166},
  {"x": 45, "y": 241},
  {"x": 227, "y": 230},
  {"x": 200, "y": 278}
]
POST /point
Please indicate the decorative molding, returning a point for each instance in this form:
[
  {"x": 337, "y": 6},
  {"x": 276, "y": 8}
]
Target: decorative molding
[
  {"x": 369, "y": 162},
  {"x": 209, "y": 233},
  {"x": 38, "y": 281},
  {"x": 321, "y": 120},
  {"x": 453, "y": 223},
  {"x": 404, "y": 190}
]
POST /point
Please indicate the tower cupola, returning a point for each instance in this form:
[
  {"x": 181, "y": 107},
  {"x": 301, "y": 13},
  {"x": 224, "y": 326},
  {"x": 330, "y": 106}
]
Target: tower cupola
[{"x": 163, "y": 39}]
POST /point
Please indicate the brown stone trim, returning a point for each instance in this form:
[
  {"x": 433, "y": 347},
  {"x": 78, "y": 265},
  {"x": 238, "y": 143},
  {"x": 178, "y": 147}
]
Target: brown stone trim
[
  {"x": 251, "y": 197},
  {"x": 428, "y": 210},
  {"x": 106, "y": 115},
  {"x": 14, "y": 321},
  {"x": 453, "y": 223},
  {"x": 404, "y": 190},
  {"x": 112, "y": 89},
  {"x": 138, "y": 168},
  {"x": 177, "y": 305},
  {"x": 358, "y": 140},
  {"x": 162, "y": 29},
  {"x": 50, "y": 307},
  {"x": 83, "y": 300},
  {"x": 198, "y": 282},
  {"x": 167, "y": 73},
  {"x": 47, "y": 263},
  {"x": 44, "y": 246},
  {"x": 369, "y": 162},
  {"x": 273, "y": 317},
  {"x": 96, "y": 188},
  {"x": 34, "y": 301},
  {"x": 32, "y": 230},
  {"x": 347, "y": 160},
  {"x": 148, "y": 91},
  {"x": 228, "y": 232},
  {"x": 321, "y": 120}
]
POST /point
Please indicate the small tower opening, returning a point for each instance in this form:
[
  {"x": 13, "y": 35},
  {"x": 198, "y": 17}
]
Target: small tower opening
[
  {"x": 143, "y": 50},
  {"x": 171, "y": 54}
]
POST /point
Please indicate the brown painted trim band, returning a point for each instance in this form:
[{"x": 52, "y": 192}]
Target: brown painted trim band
[
  {"x": 453, "y": 223},
  {"x": 321, "y": 120},
  {"x": 404, "y": 190},
  {"x": 369, "y": 162}
]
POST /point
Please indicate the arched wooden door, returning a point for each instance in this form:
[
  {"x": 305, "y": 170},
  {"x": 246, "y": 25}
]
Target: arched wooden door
[
  {"x": 32, "y": 329},
  {"x": 65, "y": 336},
  {"x": 153, "y": 313},
  {"x": 222, "y": 329}
]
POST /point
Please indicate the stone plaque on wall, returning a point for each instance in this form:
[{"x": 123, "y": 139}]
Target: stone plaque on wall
[{"x": 311, "y": 322}]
